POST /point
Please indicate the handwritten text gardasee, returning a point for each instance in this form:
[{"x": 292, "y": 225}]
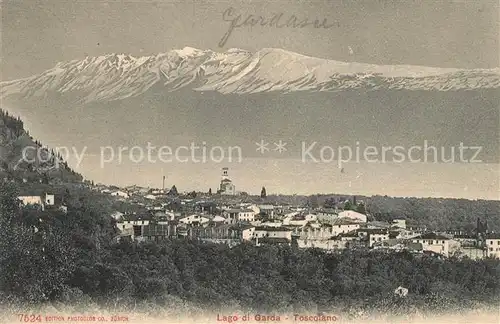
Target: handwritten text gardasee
[{"x": 277, "y": 20}]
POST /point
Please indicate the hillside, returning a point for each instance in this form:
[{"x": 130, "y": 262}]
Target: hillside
[{"x": 22, "y": 157}]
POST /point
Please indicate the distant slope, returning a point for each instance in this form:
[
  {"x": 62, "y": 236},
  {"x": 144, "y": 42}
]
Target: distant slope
[
  {"x": 119, "y": 76},
  {"x": 21, "y": 157}
]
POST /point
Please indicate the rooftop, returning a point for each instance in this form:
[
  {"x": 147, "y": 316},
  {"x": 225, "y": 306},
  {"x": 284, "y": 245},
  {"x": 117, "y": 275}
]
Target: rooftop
[
  {"x": 431, "y": 236},
  {"x": 272, "y": 229}
]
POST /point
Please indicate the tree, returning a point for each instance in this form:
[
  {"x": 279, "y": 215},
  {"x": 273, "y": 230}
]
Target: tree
[
  {"x": 348, "y": 205},
  {"x": 313, "y": 202},
  {"x": 173, "y": 191},
  {"x": 361, "y": 208},
  {"x": 34, "y": 264},
  {"x": 263, "y": 193},
  {"x": 210, "y": 191}
]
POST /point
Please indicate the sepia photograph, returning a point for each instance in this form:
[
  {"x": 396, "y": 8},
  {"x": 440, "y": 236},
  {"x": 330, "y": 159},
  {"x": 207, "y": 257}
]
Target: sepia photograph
[{"x": 248, "y": 161}]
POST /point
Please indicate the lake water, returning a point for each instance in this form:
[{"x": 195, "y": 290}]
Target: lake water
[{"x": 289, "y": 176}]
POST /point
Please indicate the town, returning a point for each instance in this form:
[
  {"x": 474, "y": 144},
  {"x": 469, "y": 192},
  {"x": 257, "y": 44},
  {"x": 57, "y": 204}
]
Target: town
[{"x": 229, "y": 217}]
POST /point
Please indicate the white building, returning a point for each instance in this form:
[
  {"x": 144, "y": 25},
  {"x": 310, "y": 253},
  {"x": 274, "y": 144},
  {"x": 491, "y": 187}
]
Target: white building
[
  {"x": 377, "y": 237},
  {"x": 31, "y": 200},
  {"x": 493, "y": 245},
  {"x": 246, "y": 215},
  {"x": 119, "y": 193},
  {"x": 49, "y": 200},
  {"x": 273, "y": 232},
  {"x": 194, "y": 219},
  {"x": 434, "y": 242},
  {"x": 219, "y": 219},
  {"x": 352, "y": 215},
  {"x": 42, "y": 201},
  {"x": 399, "y": 223},
  {"x": 247, "y": 233}
]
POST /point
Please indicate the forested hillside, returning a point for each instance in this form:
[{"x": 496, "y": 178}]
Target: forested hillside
[
  {"x": 432, "y": 213},
  {"x": 22, "y": 157},
  {"x": 71, "y": 260}
]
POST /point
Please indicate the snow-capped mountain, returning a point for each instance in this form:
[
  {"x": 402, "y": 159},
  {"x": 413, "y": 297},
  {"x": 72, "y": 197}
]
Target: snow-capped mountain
[{"x": 120, "y": 76}]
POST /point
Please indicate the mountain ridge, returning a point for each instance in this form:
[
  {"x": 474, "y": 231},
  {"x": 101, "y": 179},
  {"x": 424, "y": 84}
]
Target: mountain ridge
[{"x": 236, "y": 71}]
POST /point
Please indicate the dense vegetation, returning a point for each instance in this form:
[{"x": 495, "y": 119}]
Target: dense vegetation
[
  {"x": 36, "y": 164},
  {"x": 71, "y": 259},
  {"x": 432, "y": 213}
]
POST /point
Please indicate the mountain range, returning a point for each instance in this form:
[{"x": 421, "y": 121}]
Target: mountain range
[{"x": 120, "y": 76}]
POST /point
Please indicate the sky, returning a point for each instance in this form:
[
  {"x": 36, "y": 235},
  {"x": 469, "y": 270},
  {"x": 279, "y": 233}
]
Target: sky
[{"x": 38, "y": 34}]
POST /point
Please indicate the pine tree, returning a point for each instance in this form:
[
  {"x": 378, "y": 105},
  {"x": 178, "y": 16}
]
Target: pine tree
[
  {"x": 173, "y": 191},
  {"x": 361, "y": 208},
  {"x": 263, "y": 193}
]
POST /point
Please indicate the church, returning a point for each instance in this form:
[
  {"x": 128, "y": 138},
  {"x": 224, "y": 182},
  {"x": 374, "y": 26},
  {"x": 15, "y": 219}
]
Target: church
[{"x": 226, "y": 185}]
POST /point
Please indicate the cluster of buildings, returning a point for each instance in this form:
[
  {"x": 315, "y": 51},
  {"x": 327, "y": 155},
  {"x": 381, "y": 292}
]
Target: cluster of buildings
[
  {"x": 233, "y": 221},
  {"x": 225, "y": 217},
  {"x": 303, "y": 228}
]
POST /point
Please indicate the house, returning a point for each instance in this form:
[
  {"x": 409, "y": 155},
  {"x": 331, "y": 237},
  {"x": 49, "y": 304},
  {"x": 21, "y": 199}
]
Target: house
[
  {"x": 194, "y": 219},
  {"x": 434, "y": 242},
  {"x": 267, "y": 210},
  {"x": 155, "y": 207},
  {"x": 31, "y": 200},
  {"x": 474, "y": 253},
  {"x": 219, "y": 220},
  {"x": 155, "y": 232},
  {"x": 493, "y": 245},
  {"x": 136, "y": 219},
  {"x": 399, "y": 223},
  {"x": 404, "y": 233},
  {"x": 225, "y": 233},
  {"x": 272, "y": 241},
  {"x": 273, "y": 232},
  {"x": 352, "y": 215},
  {"x": 377, "y": 224},
  {"x": 119, "y": 193},
  {"x": 343, "y": 225},
  {"x": 246, "y": 215},
  {"x": 132, "y": 224},
  {"x": 299, "y": 219},
  {"x": 326, "y": 215},
  {"x": 231, "y": 214},
  {"x": 247, "y": 232},
  {"x": 117, "y": 215},
  {"x": 49, "y": 200},
  {"x": 377, "y": 235},
  {"x": 255, "y": 208},
  {"x": 333, "y": 243},
  {"x": 37, "y": 200},
  {"x": 351, "y": 239},
  {"x": 164, "y": 214},
  {"x": 206, "y": 207},
  {"x": 326, "y": 231}
]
